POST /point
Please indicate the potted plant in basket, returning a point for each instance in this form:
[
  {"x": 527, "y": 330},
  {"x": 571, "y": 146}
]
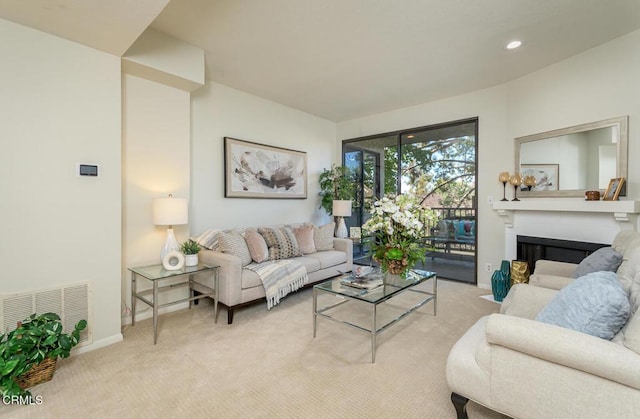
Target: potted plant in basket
[
  {"x": 190, "y": 250},
  {"x": 397, "y": 225},
  {"x": 28, "y": 354}
]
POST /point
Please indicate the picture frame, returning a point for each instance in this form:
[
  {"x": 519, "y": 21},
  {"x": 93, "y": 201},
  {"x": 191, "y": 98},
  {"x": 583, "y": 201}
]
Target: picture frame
[
  {"x": 613, "y": 190},
  {"x": 547, "y": 175},
  {"x": 253, "y": 170}
]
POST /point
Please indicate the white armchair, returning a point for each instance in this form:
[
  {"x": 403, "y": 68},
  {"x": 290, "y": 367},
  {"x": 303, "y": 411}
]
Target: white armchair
[{"x": 524, "y": 368}]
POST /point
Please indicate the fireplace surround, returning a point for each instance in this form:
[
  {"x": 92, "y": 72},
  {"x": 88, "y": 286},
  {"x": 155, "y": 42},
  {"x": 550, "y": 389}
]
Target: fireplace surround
[
  {"x": 531, "y": 249},
  {"x": 563, "y": 223}
]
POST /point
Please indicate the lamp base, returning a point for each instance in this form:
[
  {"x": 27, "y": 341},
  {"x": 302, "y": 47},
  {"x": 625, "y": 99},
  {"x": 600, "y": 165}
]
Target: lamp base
[
  {"x": 341, "y": 230},
  {"x": 170, "y": 244}
]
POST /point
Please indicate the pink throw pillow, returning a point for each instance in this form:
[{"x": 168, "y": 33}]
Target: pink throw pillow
[
  {"x": 304, "y": 236},
  {"x": 257, "y": 246}
]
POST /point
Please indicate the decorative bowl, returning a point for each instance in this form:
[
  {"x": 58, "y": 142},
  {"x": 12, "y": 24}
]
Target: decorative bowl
[{"x": 592, "y": 195}]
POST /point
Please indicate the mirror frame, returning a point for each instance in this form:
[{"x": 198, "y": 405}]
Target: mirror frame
[{"x": 622, "y": 123}]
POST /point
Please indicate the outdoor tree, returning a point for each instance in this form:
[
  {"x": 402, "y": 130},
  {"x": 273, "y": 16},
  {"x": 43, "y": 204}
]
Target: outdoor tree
[{"x": 447, "y": 164}]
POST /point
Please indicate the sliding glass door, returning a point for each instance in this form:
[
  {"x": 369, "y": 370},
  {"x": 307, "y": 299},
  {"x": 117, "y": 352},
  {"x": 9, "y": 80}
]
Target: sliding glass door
[{"x": 445, "y": 154}]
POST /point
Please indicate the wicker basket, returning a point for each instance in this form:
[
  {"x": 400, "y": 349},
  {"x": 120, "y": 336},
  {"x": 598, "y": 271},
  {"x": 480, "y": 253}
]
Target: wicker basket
[{"x": 38, "y": 374}]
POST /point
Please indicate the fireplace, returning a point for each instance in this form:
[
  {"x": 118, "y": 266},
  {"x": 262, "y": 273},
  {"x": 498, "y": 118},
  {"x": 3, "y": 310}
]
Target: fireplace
[{"x": 533, "y": 248}]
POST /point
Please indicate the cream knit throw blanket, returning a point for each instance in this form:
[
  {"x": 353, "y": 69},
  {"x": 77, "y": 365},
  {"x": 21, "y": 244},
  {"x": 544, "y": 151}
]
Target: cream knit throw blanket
[{"x": 279, "y": 278}]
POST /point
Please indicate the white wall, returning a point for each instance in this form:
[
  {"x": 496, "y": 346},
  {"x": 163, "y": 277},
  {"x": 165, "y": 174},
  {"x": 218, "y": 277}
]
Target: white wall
[
  {"x": 156, "y": 162},
  {"x": 219, "y": 111},
  {"x": 60, "y": 105}
]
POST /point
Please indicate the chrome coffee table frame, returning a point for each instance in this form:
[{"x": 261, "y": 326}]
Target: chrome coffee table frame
[{"x": 392, "y": 287}]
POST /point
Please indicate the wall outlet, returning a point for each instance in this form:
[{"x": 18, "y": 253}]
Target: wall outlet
[
  {"x": 488, "y": 267},
  {"x": 490, "y": 199}
]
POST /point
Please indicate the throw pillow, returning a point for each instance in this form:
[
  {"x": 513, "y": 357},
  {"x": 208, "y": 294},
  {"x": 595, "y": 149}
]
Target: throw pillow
[
  {"x": 323, "y": 237},
  {"x": 594, "y": 304},
  {"x": 603, "y": 259},
  {"x": 257, "y": 246},
  {"x": 282, "y": 242},
  {"x": 304, "y": 236},
  {"x": 234, "y": 244},
  {"x": 208, "y": 239}
]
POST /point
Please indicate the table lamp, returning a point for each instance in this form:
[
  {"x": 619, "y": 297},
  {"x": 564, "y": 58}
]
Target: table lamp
[
  {"x": 170, "y": 211},
  {"x": 341, "y": 209}
]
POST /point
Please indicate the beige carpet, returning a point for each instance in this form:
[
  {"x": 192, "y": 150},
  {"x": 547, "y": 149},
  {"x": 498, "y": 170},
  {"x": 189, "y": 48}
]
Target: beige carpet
[{"x": 267, "y": 365}]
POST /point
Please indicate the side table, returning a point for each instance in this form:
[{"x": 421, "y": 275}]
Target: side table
[{"x": 157, "y": 273}]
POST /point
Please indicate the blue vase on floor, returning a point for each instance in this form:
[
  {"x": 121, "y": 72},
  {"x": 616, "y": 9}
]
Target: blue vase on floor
[
  {"x": 505, "y": 268},
  {"x": 499, "y": 285}
]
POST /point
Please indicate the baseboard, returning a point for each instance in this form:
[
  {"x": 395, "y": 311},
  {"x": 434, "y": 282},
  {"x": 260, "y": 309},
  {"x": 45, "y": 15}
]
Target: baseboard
[
  {"x": 98, "y": 344},
  {"x": 484, "y": 286}
]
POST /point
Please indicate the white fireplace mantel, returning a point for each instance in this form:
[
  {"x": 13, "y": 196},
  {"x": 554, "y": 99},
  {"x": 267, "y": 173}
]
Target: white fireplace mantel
[
  {"x": 565, "y": 219},
  {"x": 623, "y": 210}
]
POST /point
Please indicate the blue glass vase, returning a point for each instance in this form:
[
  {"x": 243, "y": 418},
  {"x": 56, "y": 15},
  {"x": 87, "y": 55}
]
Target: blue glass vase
[{"x": 499, "y": 285}]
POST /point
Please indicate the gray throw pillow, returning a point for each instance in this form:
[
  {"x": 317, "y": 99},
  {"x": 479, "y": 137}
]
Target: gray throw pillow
[
  {"x": 603, "y": 259},
  {"x": 594, "y": 304}
]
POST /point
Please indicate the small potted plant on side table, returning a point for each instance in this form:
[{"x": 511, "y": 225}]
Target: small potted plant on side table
[
  {"x": 190, "y": 250},
  {"x": 28, "y": 354}
]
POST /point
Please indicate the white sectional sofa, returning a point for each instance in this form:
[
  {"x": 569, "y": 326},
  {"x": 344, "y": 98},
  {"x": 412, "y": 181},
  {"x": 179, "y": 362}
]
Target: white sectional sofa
[{"x": 323, "y": 257}]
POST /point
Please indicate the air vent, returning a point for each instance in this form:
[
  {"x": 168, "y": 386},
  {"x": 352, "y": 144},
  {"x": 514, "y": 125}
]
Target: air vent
[{"x": 71, "y": 302}]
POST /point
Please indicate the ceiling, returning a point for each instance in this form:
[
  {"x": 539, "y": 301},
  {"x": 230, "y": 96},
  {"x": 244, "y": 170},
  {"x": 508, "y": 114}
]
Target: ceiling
[{"x": 342, "y": 59}]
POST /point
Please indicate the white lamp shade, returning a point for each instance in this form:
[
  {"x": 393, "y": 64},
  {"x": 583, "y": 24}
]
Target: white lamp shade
[
  {"x": 342, "y": 208},
  {"x": 170, "y": 211}
]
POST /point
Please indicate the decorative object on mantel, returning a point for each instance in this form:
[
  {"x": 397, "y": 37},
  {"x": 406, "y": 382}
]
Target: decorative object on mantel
[
  {"x": 504, "y": 178},
  {"x": 592, "y": 196},
  {"x": 529, "y": 182},
  {"x": 519, "y": 272},
  {"x": 516, "y": 181},
  {"x": 546, "y": 176},
  {"x": 613, "y": 190}
]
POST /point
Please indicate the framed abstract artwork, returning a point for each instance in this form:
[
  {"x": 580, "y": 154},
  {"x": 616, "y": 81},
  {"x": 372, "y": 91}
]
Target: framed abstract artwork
[
  {"x": 546, "y": 175},
  {"x": 253, "y": 170}
]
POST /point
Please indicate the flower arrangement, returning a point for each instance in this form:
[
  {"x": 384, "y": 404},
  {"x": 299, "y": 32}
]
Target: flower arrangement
[{"x": 398, "y": 227}]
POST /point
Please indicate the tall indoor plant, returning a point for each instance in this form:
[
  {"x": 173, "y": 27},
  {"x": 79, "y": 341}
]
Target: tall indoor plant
[
  {"x": 37, "y": 341},
  {"x": 336, "y": 183}
]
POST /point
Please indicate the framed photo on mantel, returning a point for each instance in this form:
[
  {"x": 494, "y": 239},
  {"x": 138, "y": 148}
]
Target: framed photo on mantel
[
  {"x": 253, "y": 170},
  {"x": 613, "y": 190}
]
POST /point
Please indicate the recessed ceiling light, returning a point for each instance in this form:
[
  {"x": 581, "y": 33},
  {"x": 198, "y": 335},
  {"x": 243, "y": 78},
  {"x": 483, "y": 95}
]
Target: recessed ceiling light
[
  {"x": 514, "y": 44},
  {"x": 410, "y": 136}
]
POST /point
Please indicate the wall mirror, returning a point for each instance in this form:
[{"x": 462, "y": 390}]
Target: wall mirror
[{"x": 569, "y": 161}]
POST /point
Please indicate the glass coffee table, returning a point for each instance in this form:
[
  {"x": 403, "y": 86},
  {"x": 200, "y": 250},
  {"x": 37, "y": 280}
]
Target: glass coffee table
[{"x": 393, "y": 286}]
